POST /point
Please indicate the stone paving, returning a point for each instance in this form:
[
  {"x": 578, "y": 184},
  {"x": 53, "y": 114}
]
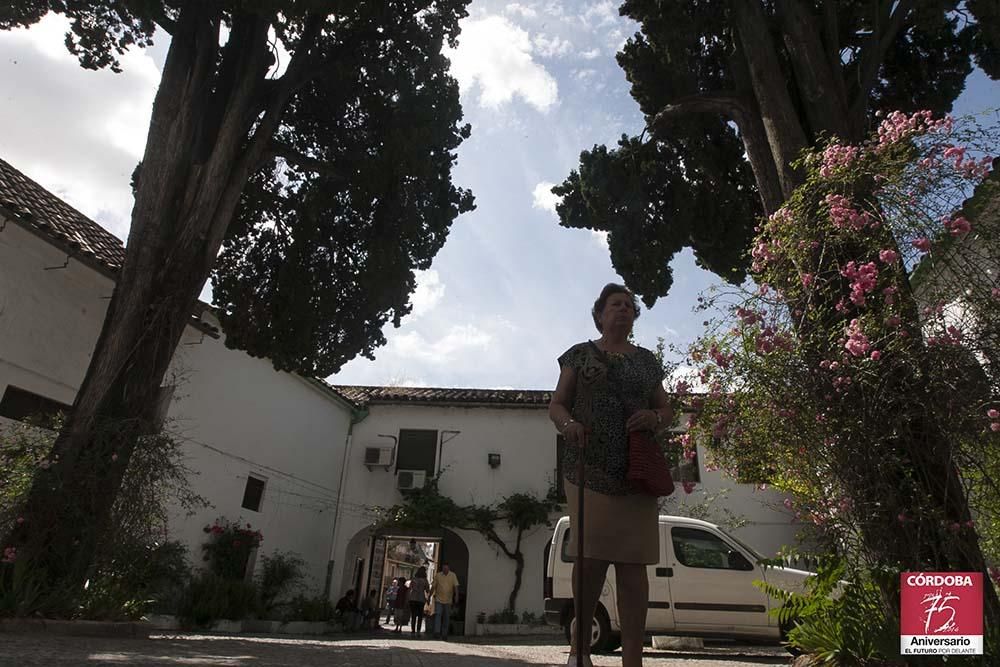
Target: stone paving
[{"x": 35, "y": 650}]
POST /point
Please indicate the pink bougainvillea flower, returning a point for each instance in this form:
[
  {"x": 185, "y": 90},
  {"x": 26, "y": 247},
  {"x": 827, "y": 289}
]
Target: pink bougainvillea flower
[
  {"x": 995, "y": 427},
  {"x": 888, "y": 256},
  {"x": 922, "y": 244},
  {"x": 688, "y": 487},
  {"x": 9, "y": 554},
  {"x": 958, "y": 226},
  {"x": 993, "y": 413},
  {"x": 876, "y": 355}
]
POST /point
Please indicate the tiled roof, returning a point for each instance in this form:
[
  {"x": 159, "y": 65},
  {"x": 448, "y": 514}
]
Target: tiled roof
[
  {"x": 363, "y": 395},
  {"x": 39, "y": 209}
]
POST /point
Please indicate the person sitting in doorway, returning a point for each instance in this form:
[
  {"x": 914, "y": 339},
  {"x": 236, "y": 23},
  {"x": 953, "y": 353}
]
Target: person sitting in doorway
[{"x": 347, "y": 611}]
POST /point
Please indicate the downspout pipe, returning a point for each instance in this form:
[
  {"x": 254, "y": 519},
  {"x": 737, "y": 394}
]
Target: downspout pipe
[{"x": 358, "y": 415}]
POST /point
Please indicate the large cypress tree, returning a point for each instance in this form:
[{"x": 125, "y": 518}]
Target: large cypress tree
[
  {"x": 732, "y": 92},
  {"x": 323, "y": 188}
]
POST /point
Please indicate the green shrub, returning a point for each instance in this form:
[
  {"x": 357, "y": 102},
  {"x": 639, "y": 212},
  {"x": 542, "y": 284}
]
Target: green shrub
[
  {"x": 838, "y": 623},
  {"x": 280, "y": 574},
  {"x": 209, "y": 598},
  {"x": 137, "y": 579},
  {"x": 316, "y": 609}
]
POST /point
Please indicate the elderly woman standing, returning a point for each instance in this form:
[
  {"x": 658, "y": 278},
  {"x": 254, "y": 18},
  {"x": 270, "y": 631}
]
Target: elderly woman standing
[{"x": 606, "y": 389}]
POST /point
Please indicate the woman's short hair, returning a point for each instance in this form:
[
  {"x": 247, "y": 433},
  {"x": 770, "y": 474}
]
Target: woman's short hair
[{"x": 609, "y": 289}]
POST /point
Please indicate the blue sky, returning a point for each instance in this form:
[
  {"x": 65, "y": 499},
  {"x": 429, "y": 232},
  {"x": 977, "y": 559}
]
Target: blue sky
[{"x": 511, "y": 289}]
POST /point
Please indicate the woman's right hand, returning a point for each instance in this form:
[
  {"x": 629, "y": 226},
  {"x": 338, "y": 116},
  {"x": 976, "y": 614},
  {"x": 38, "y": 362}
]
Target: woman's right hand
[{"x": 575, "y": 434}]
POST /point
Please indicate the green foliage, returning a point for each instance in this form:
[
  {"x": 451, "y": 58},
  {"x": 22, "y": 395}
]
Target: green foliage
[
  {"x": 210, "y": 597},
  {"x": 280, "y": 573},
  {"x": 316, "y": 609},
  {"x": 136, "y": 568},
  {"x": 838, "y": 623},
  {"x": 138, "y": 580}
]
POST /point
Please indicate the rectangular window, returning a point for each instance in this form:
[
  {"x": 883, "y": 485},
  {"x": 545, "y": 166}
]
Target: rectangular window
[
  {"x": 417, "y": 450},
  {"x": 559, "y": 482},
  {"x": 22, "y": 405},
  {"x": 253, "y": 494}
]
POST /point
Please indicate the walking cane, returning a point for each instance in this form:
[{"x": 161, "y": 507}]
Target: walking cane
[{"x": 581, "y": 482}]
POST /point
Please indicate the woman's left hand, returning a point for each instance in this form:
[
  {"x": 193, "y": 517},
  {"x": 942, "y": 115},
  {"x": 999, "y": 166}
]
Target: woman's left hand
[{"x": 641, "y": 420}]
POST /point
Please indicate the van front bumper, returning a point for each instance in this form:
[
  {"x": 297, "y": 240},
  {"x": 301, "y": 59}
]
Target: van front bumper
[{"x": 556, "y": 610}]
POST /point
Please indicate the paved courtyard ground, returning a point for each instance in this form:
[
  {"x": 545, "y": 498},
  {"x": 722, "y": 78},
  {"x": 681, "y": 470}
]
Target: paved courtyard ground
[{"x": 377, "y": 651}]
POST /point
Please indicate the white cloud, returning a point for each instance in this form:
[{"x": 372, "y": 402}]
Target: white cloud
[
  {"x": 458, "y": 339},
  {"x": 551, "y": 47},
  {"x": 428, "y": 294},
  {"x": 496, "y": 55},
  {"x": 81, "y": 133},
  {"x": 543, "y": 197},
  {"x": 584, "y": 74},
  {"x": 600, "y": 238},
  {"x": 591, "y": 54},
  {"x": 523, "y": 10},
  {"x": 600, "y": 14}
]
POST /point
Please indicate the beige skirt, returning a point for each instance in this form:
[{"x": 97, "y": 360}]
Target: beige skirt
[{"x": 618, "y": 529}]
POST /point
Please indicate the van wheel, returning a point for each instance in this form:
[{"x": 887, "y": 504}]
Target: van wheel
[{"x": 601, "y": 638}]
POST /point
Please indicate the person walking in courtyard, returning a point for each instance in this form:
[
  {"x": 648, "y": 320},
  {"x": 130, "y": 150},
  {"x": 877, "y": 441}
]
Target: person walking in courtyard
[
  {"x": 419, "y": 587},
  {"x": 445, "y": 593},
  {"x": 390, "y": 599},
  {"x": 401, "y": 607},
  {"x": 608, "y": 404}
]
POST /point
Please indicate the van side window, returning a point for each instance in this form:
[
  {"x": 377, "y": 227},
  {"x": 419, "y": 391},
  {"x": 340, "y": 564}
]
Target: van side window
[{"x": 699, "y": 548}]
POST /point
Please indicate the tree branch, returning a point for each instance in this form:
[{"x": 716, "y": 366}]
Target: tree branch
[
  {"x": 865, "y": 70},
  {"x": 728, "y": 103}
]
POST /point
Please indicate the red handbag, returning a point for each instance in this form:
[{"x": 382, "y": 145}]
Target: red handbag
[{"x": 647, "y": 467}]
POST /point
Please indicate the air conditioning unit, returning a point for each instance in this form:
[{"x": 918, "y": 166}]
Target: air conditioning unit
[
  {"x": 410, "y": 479},
  {"x": 378, "y": 456}
]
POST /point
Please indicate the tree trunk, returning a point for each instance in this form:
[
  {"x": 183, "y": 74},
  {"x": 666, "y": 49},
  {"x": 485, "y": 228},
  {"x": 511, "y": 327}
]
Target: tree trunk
[
  {"x": 188, "y": 188},
  {"x": 518, "y": 572},
  {"x": 784, "y": 132}
]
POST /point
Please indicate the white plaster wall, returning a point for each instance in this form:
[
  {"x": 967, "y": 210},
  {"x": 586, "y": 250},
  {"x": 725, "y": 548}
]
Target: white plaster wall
[
  {"x": 234, "y": 413},
  {"x": 526, "y": 441}
]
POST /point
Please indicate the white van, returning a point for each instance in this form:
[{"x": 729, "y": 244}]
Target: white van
[{"x": 702, "y": 587}]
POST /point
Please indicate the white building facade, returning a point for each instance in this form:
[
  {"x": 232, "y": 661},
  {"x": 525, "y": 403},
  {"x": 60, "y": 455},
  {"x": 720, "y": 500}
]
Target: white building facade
[{"x": 266, "y": 446}]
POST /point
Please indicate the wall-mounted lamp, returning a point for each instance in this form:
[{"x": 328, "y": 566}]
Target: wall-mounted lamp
[{"x": 493, "y": 460}]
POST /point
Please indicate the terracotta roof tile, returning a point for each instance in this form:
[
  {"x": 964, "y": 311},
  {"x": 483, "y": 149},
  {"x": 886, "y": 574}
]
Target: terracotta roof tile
[
  {"x": 46, "y": 213},
  {"x": 361, "y": 395}
]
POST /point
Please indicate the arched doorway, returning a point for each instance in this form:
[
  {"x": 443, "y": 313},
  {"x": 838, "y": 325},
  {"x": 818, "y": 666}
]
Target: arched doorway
[{"x": 373, "y": 557}]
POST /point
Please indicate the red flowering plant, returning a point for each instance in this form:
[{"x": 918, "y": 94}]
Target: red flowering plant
[
  {"x": 228, "y": 548},
  {"x": 861, "y": 375}
]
